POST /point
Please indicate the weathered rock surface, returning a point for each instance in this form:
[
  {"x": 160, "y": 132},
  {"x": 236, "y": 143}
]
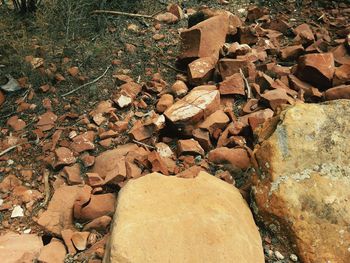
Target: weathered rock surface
[
  {"x": 302, "y": 191},
  {"x": 171, "y": 219},
  {"x": 19, "y": 248}
]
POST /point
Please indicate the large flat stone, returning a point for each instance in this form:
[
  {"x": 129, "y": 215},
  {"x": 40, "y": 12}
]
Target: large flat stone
[
  {"x": 302, "y": 192},
  {"x": 170, "y": 219}
]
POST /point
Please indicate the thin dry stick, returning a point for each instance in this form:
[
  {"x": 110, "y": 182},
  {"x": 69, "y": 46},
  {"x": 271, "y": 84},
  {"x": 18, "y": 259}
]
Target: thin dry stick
[
  {"x": 143, "y": 144},
  {"x": 249, "y": 89},
  {"x": 87, "y": 84},
  {"x": 47, "y": 187},
  {"x": 121, "y": 13},
  {"x": 12, "y": 147}
]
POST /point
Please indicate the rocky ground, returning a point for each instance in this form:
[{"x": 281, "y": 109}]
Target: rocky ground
[{"x": 185, "y": 116}]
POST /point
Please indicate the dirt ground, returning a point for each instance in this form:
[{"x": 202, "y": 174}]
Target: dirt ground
[{"x": 66, "y": 35}]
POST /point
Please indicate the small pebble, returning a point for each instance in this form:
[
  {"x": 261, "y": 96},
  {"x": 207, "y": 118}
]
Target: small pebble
[
  {"x": 279, "y": 255},
  {"x": 17, "y": 212},
  {"x": 27, "y": 231},
  {"x": 293, "y": 258}
]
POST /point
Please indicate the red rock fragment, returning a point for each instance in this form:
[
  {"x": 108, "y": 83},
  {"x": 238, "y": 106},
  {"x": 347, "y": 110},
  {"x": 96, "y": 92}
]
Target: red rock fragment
[
  {"x": 16, "y": 123},
  {"x": 217, "y": 120},
  {"x": 158, "y": 163},
  {"x": 204, "y": 39},
  {"x": 291, "y": 52},
  {"x": 54, "y": 252},
  {"x": 80, "y": 240},
  {"x": 189, "y": 146},
  {"x": 94, "y": 179},
  {"x": 304, "y": 34},
  {"x": 179, "y": 88},
  {"x": 165, "y": 102},
  {"x": 342, "y": 75},
  {"x": 203, "y": 137},
  {"x": 46, "y": 121},
  {"x": 277, "y": 97},
  {"x": 236, "y": 157},
  {"x": 96, "y": 206},
  {"x": 176, "y": 10},
  {"x": 73, "y": 174},
  {"x": 83, "y": 142},
  {"x": 317, "y": 69},
  {"x": 191, "y": 172},
  {"x": 67, "y": 238},
  {"x": 99, "y": 224},
  {"x": 88, "y": 160},
  {"x": 341, "y": 55},
  {"x": 232, "y": 85},
  {"x": 73, "y": 71},
  {"x": 255, "y": 12},
  {"x": 227, "y": 67},
  {"x": 167, "y": 17},
  {"x": 201, "y": 70},
  {"x": 339, "y": 92},
  {"x": 2, "y": 98}
]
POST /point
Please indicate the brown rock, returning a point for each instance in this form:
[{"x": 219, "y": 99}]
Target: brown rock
[
  {"x": 342, "y": 75},
  {"x": 193, "y": 108},
  {"x": 179, "y": 88},
  {"x": 54, "y": 252},
  {"x": 46, "y": 121},
  {"x": 203, "y": 137},
  {"x": 67, "y": 238},
  {"x": 59, "y": 214},
  {"x": 158, "y": 163},
  {"x": 146, "y": 204},
  {"x": 73, "y": 174},
  {"x": 64, "y": 156},
  {"x": 83, "y": 142},
  {"x": 277, "y": 97},
  {"x": 141, "y": 131},
  {"x": 341, "y": 55},
  {"x": 301, "y": 181},
  {"x": 165, "y": 102},
  {"x": 304, "y": 34},
  {"x": 2, "y": 98},
  {"x": 167, "y": 17},
  {"x": 339, "y": 92},
  {"x": 216, "y": 120},
  {"x": 99, "y": 224},
  {"x": 176, "y": 10},
  {"x": 255, "y": 12},
  {"x": 189, "y": 146},
  {"x": 16, "y": 123},
  {"x": 132, "y": 170},
  {"x": 291, "y": 52},
  {"x": 232, "y": 85},
  {"x": 236, "y": 157},
  {"x": 88, "y": 160},
  {"x": 237, "y": 49},
  {"x": 94, "y": 179},
  {"x": 96, "y": 206},
  {"x": 317, "y": 69},
  {"x": 204, "y": 39},
  {"x": 201, "y": 70},
  {"x": 73, "y": 71},
  {"x": 227, "y": 67},
  {"x": 19, "y": 248},
  {"x": 191, "y": 172},
  {"x": 262, "y": 115},
  {"x": 302, "y": 87},
  {"x": 80, "y": 240}
]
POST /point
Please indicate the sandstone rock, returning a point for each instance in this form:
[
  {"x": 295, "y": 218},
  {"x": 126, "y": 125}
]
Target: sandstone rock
[
  {"x": 232, "y": 85},
  {"x": 304, "y": 34},
  {"x": 189, "y": 146},
  {"x": 317, "y": 69},
  {"x": 67, "y": 238},
  {"x": 167, "y": 17},
  {"x": 193, "y": 108},
  {"x": 227, "y": 67},
  {"x": 16, "y": 123},
  {"x": 216, "y": 120},
  {"x": 2, "y": 98},
  {"x": 54, "y": 252},
  {"x": 304, "y": 178},
  {"x": 204, "y": 39},
  {"x": 83, "y": 142},
  {"x": 339, "y": 92},
  {"x": 201, "y": 70},
  {"x": 291, "y": 52},
  {"x": 46, "y": 121},
  {"x": 203, "y": 137},
  {"x": 80, "y": 240},
  {"x": 73, "y": 174},
  {"x": 19, "y": 248},
  {"x": 99, "y": 224},
  {"x": 277, "y": 97},
  {"x": 165, "y": 102},
  {"x": 342, "y": 75},
  {"x": 157, "y": 222},
  {"x": 59, "y": 214},
  {"x": 64, "y": 156},
  {"x": 236, "y": 157},
  {"x": 179, "y": 88}
]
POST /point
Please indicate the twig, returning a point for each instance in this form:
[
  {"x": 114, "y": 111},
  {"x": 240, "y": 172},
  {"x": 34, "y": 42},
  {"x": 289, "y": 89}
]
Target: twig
[
  {"x": 171, "y": 67},
  {"x": 15, "y": 146},
  {"x": 143, "y": 144},
  {"x": 249, "y": 89},
  {"x": 47, "y": 188},
  {"x": 87, "y": 84},
  {"x": 121, "y": 13}
]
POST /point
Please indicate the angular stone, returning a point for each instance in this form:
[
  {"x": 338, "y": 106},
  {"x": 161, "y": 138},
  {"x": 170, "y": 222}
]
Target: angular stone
[
  {"x": 342, "y": 75},
  {"x": 204, "y": 39},
  {"x": 54, "y": 252},
  {"x": 203, "y": 137},
  {"x": 179, "y": 88},
  {"x": 232, "y": 85},
  {"x": 59, "y": 214},
  {"x": 189, "y": 146},
  {"x": 201, "y": 70},
  {"x": 80, "y": 239},
  {"x": 291, "y": 52},
  {"x": 277, "y": 97},
  {"x": 339, "y": 92},
  {"x": 304, "y": 34},
  {"x": 16, "y": 123},
  {"x": 83, "y": 142},
  {"x": 317, "y": 69},
  {"x": 165, "y": 102},
  {"x": 227, "y": 67},
  {"x": 236, "y": 157},
  {"x": 46, "y": 121},
  {"x": 214, "y": 121},
  {"x": 157, "y": 222},
  {"x": 19, "y": 248},
  {"x": 304, "y": 177},
  {"x": 99, "y": 224},
  {"x": 73, "y": 174},
  {"x": 64, "y": 156},
  {"x": 193, "y": 108}
]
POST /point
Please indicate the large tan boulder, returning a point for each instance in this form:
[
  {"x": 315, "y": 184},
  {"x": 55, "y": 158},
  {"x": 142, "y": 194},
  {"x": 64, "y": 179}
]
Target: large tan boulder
[
  {"x": 302, "y": 191},
  {"x": 170, "y": 219}
]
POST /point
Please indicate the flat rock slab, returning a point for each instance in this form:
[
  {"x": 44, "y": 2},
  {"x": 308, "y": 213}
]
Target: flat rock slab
[
  {"x": 19, "y": 248},
  {"x": 170, "y": 219},
  {"x": 302, "y": 191}
]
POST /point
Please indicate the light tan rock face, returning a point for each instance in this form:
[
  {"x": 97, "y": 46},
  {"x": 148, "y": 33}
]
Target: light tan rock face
[
  {"x": 302, "y": 192},
  {"x": 19, "y": 248},
  {"x": 170, "y": 219}
]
